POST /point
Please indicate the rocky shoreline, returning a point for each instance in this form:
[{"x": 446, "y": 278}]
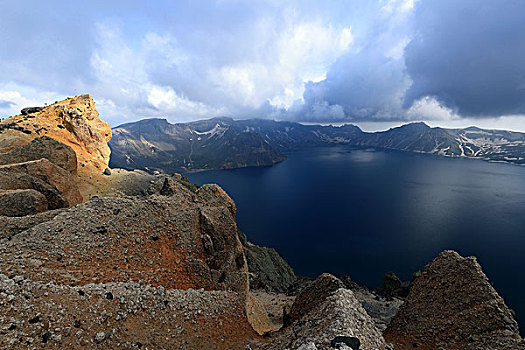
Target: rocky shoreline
[{"x": 98, "y": 258}]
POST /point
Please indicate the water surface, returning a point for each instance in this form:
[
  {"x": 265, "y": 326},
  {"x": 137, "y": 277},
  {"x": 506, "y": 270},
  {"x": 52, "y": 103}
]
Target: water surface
[{"x": 367, "y": 212}]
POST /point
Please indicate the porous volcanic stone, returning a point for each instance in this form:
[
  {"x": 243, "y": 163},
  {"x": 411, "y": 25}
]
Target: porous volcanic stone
[
  {"x": 452, "y": 305},
  {"x": 21, "y": 202}
]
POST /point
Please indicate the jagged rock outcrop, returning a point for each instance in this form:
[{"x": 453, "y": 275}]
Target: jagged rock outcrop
[
  {"x": 314, "y": 294},
  {"x": 73, "y": 121},
  {"x": 188, "y": 240},
  {"x": 268, "y": 270},
  {"x": 74, "y": 125},
  {"x": 50, "y": 173},
  {"x": 453, "y": 306},
  {"x": 323, "y": 311},
  {"x": 44, "y": 165}
]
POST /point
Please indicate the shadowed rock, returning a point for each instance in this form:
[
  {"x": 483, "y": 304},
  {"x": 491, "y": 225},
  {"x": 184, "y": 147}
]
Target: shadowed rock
[
  {"x": 452, "y": 305},
  {"x": 10, "y": 226},
  {"x": 43, "y": 147},
  {"x": 324, "y": 311},
  {"x": 267, "y": 269},
  {"x": 188, "y": 240},
  {"x": 21, "y": 202},
  {"x": 14, "y": 181},
  {"x": 30, "y": 110},
  {"x": 313, "y": 295}
]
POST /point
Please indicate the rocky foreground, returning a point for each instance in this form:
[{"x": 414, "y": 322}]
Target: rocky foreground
[{"x": 93, "y": 258}]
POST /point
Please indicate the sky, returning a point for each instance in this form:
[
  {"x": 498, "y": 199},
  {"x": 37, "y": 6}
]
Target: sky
[{"x": 374, "y": 63}]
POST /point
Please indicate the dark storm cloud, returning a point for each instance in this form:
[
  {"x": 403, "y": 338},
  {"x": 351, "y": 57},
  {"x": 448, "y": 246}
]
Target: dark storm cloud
[
  {"x": 470, "y": 55},
  {"x": 358, "y": 86}
]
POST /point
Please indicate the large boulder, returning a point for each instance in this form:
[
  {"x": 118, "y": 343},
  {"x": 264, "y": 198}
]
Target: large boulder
[
  {"x": 23, "y": 181},
  {"x": 188, "y": 240},
  {"x": 314, "y": 294},
  {"x": 80, "y": 117},
  {"x": 324, "y": 314},
  {"x": 21, "y": 202},
  {"x": 73, "y": 122},
  {"x": 43, "y": 147},
  {"x": 452, "y": 305},
  {"x": 50, "y": 173}
]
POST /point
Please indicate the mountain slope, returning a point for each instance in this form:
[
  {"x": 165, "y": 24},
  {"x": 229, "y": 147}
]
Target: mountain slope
[
  {"x": 221, "y": 143},
  {"x": 212, "y": 144}
]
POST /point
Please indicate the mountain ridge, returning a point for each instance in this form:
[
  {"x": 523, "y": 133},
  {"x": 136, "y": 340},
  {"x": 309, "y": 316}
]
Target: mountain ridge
[{"x": 222, "y": 142}]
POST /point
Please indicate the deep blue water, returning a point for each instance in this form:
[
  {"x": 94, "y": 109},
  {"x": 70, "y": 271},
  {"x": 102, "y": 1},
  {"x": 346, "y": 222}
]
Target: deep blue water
[{"x": 367, "y": 212}]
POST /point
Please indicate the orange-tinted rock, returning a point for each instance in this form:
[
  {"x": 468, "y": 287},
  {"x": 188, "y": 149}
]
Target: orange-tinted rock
[
  {"x": 52, "y": 174},
  {"x": 74, "y": 122},
  {"x": 188, "y": 240},
  {"x": 452, "y": 305}
]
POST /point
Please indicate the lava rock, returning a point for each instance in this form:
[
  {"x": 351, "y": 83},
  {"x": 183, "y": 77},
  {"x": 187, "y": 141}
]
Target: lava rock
[
  {"x": 30, "y": 110},
  {"x": 455, "y": 297},
  {"x": 21, "y": 202},
  {"x": 50, "y": 173}
]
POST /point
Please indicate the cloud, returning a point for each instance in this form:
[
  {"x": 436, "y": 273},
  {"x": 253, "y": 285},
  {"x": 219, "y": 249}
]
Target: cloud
[
  {"x": 370, "y": 80},
  {"x": 428, "y": 108},
  {"x": 296, "y": 60},
  {"x": 469, "y": 55},
  {"x": 12, "y": 101},
  {"x": 6, "y": 104},
  {"x": 363, "y": 85}
]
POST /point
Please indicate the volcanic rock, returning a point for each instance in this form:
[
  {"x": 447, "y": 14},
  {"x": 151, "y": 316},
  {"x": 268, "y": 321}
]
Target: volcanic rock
[
  {"x": 21, "y": 202},
  {"x": 138, "y": 317},
  {"x": 10, "y": 226},
  {"x": 30, "y": 110},
  {"x": 23, "y": 181},
  {"x": 50, "y": 173},
  {"x": 82, "y": 128},
  {"x": 109, "y": 240},
  {"x": 268, "y": 270},
  {"x": 323, "y": 311},
  {"x": 452, "y": 305},
  {"x": 73, "y": 122},
  {"x": 313, "y": 295},
  {"x": 43, "y": 147}
]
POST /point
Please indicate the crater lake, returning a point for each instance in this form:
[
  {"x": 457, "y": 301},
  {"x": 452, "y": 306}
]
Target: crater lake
[{"x": 364, "y": 212}]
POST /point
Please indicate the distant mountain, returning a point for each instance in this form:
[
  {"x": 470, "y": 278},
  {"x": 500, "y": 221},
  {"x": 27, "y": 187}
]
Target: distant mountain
[
  {"x": 220, "y": 143},
  {"x": 209, "y": 144},
  {"x": 472, "y": 142}
]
